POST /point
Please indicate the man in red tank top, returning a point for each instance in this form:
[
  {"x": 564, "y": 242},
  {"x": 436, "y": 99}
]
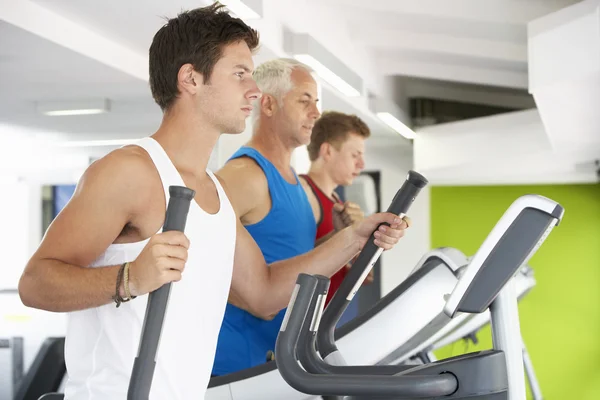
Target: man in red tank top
[{"x": 336, "y": 152}]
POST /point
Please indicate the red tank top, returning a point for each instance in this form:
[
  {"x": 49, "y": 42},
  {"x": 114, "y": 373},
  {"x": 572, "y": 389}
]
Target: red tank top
[{"x": 324, "y": 227}]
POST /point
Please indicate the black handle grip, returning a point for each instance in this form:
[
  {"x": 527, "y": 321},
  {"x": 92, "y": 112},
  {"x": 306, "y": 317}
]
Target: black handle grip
[
  {"x": 365, "y": 261},
  {"x": 145, "y": 362}
]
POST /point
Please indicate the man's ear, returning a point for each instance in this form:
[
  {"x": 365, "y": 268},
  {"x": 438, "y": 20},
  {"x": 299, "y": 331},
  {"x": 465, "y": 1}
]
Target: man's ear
[
  {"x": 268, "y": 105},
  {"x": 325, "y": 151},
  {"x": 188, "y": 80}
]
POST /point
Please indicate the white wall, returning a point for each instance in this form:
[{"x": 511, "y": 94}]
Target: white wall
[
  {"x": 24, "y": 167},
  {"x": 17, "y": 221},
  {"x": 394, "y": 162},
  {"x": 506, "y": 149}
]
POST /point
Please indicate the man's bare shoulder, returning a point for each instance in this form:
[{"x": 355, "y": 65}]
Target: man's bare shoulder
[
  {"x": 128, "y": 171},
  {"x": 244, "y": 166},
  {"x": 244, "y": 174},
  {"x": 244, "y": 183},
  {"x": 305, "y": 184}
]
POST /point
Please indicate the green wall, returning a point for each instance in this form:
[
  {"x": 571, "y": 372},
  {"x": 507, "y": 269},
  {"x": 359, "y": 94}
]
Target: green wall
[{"x": 560, "y": 317}]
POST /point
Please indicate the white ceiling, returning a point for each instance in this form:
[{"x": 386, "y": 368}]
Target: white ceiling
[
  {"x": 34, "y": 69},
  {"x": 131, "y": 23},
  {"x": 64, "y": 49},
  {"x": 472, "y": 41}
]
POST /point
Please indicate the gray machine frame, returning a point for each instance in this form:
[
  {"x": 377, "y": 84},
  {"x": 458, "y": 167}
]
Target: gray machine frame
[
  {"x": 437, "y": 275},
  {"x": 486, "y": 283}
]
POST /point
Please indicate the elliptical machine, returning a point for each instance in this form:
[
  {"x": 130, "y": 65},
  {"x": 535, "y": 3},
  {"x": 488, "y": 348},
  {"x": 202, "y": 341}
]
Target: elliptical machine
[{"x": 485, "y": 284}]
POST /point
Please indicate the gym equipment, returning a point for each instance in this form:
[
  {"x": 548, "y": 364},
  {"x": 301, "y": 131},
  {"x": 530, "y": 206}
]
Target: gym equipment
[
  {"x": 399, "y": 324},
  {"x": 399, "y": 316},
  {"x": 45, "y": 373},
  {"x": 14, "y": 347},
  {"x": 432, "y": 323},
  {"x": 31, "y": 351},
  {"x": 486, "y": 283},
  {"x": 465, "y": 326},
  {"x": 361, "y": 268},
  {"x": 143, "y": 366}
]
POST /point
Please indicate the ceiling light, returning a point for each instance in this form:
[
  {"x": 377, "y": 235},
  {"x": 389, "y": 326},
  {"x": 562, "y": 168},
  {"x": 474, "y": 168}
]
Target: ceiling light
[
  {"x": 396, "y": 125},
  {"x": 246, "y": 10},
  {"x": 327, "y": 75},
  {"x": 83, "y": 111},
  {"x": 392, "y": 115},
  {"x": 330, "y": 69},
  {"x": 73, "y": 107}
]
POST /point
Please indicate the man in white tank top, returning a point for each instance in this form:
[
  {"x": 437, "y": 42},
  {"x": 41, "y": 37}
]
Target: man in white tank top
[{"x": 107, "y": 249}]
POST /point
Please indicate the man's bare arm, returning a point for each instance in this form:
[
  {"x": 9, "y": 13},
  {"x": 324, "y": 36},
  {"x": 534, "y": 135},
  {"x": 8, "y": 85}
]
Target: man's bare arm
[
  {"x": 56, "y": 277},
  {"x": 264, "y": 290},
  {"x": 325, "y": 238}
]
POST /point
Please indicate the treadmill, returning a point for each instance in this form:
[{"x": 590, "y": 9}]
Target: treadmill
[{"x": 304, "y": 353}]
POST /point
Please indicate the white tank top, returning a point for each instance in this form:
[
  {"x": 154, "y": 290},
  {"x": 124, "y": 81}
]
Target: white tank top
[{"x": 101, "y": 343}]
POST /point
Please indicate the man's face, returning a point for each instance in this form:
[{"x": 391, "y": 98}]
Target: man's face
[
  {"x": 297, "y": 117},
  {"x": 346, "y": 162},
  {"x": 227, "y": 99}
]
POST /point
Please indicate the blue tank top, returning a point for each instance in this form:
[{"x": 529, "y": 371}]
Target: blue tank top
[{"x": 288, "y": 230}]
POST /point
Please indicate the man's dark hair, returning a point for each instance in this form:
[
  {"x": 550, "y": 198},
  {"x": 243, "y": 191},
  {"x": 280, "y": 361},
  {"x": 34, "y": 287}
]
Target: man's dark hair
[
  {"x": 334, "y": 127},
  {"x": 197, "y": 37}
]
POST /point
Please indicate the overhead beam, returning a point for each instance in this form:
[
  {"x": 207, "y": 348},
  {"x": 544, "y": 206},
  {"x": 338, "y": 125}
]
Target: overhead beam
[
  {"x": 502, "y": 11},
  {"x": 452, "y": 73},
  {"x": 434, "y": 25},
  {"x": 465, "y": 93},
  {"x": 391, "y": 39},
  {"x": 494, "y": 137},
  {"x": 507, "y": 148},
  {"x": 29, "y": 16}
]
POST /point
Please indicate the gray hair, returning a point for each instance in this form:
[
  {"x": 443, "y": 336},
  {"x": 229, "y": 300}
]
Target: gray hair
[{"x": 274, "y": 77}]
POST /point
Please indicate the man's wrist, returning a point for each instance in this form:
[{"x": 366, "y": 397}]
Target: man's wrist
[
  {"x": 352, "y": 241},
  {"x": 129, "y": 282}
]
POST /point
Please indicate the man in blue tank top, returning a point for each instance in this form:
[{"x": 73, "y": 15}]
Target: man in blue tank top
[{"x": 280, "y": 219}]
